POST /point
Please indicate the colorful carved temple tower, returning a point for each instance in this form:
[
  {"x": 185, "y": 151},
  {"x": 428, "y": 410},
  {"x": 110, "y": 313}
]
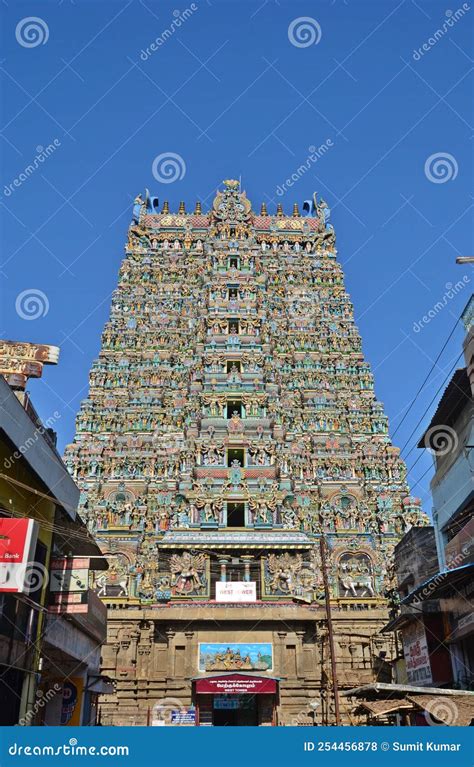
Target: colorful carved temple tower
[{"x": 231, "y": 425}]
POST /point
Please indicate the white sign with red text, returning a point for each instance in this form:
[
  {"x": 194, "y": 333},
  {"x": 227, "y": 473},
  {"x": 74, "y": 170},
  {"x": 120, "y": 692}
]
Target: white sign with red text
[
  {"x": 236, "y": 591},
  {"x": 17, "y": 548},
  {"x": 417, "y": 657}
]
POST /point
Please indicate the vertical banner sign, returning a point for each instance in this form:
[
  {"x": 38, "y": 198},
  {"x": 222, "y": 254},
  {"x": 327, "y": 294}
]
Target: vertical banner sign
[
  {"x": 17, "y": 547},
  {"x": 417, "y": 658}
]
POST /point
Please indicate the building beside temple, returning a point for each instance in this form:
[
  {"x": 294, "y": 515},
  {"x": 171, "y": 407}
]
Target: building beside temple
[
  {"x": 434, "y": 571},
  {"x": 236, "y": 469},
  {"x": 437, "y": 613},
  {"x": 51, "y": 624}
]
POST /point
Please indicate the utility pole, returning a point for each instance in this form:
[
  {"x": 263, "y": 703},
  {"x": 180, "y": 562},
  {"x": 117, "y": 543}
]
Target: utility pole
[{"x": 332, "y": 652}]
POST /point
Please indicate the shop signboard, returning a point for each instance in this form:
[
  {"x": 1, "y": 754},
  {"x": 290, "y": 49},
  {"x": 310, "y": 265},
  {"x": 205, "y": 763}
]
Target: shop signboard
[{"x": 417, "y": 658}]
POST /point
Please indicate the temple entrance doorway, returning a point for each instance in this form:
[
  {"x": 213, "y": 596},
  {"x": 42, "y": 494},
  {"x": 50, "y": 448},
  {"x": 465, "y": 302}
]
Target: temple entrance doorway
[
  {"x": 235, "y": 711},
  {"x": 235, "y": 700}
]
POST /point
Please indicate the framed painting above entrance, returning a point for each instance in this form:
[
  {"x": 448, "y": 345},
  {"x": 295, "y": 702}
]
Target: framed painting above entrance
[{"x": 222, "y": 656}]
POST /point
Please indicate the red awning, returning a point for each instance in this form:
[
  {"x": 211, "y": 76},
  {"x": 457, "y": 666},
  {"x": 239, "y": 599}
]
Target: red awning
[{"x": 236, "y": 684}]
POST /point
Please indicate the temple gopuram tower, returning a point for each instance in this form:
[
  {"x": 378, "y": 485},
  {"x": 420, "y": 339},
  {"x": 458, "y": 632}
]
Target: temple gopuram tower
[{"x": 230, "y": 448}]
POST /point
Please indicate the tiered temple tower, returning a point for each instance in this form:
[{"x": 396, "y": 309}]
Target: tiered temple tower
[{"x": 231, "y": 426}]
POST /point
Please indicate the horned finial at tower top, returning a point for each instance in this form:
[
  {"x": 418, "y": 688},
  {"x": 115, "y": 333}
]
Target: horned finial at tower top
[
  {"x": 198, "y": 209},
  {"x": 263, "y": 210},
  {"x": 166, "y": 207},
  {"x": 296, "y": 211},
  {"x": 279, "y": 209},
  {"x": 231, "y": 183},
  {"x": 182, "y": 208}
]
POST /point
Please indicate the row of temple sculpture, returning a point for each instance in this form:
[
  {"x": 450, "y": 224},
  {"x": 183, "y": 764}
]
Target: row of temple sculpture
[{"x": 161, "y": 511}]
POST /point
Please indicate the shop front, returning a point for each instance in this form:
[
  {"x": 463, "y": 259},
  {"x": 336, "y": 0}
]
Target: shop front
[{"x": 235, "y": 700}]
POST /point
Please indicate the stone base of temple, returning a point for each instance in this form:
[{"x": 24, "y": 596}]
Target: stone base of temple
[{"x": 267, "y": 665}]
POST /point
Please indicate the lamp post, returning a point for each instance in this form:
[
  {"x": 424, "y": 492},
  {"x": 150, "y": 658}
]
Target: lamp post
[{"x": 332, "y": 651}]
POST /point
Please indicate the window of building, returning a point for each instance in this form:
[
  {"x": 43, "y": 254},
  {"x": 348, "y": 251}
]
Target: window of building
[
  {"x": 233, "y": 366},
  {"x": 234, "y": 407},
  {"x": 233, "y": 294},
  {"x": 236, "y": 454},
  {"x": 236, "y": 518},
  {"x": 233, "y": 326},
  {"x": 233, "y": 262}
]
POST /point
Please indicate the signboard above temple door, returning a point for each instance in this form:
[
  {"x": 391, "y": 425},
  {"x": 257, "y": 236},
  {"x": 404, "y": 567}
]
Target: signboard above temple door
[
  {"x": 236, "y": 683},
  {"x": 236, "y": 591}
]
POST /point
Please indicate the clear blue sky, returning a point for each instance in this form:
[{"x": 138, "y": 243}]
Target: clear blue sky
[{"x": 233, "y": 96}]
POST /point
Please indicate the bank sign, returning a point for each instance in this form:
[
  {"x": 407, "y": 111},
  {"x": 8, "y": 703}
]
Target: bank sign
[
  {"x": 17, "y": 548},
  {"x": 417, "y": 658}
]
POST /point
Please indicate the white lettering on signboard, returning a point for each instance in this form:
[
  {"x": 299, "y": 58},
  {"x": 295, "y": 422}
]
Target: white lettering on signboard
[{"x": 18, "y": 572}]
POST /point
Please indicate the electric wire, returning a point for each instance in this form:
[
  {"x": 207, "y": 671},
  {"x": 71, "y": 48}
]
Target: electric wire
[{"x": 427, "y": 377}]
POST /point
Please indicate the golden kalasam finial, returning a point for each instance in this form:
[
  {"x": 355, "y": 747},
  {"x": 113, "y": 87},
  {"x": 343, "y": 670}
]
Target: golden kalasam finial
[
  {"x": 279, "y": 209},
  {"x": 198, "y": 209},
  {"x": 182, "y": 209},
  {"x": 263, "y": 210},
  {"x": 296, "y": 211},
  {"x": 231, "y": 183},
  {"x": 166, "y": 207}
]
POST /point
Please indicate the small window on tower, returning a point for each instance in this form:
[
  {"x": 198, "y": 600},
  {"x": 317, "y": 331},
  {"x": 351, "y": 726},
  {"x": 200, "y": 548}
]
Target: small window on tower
[
  {"x": 233, "y": 366},
  {"x": 234, "y": 262},
  {"x": 236, "y": 456},
  {"x": 234, "y": 407},
  {"x": 235, "y": 515},
  {"x": 233, "y": 294},
  {"x": 233, "y": 327}
]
